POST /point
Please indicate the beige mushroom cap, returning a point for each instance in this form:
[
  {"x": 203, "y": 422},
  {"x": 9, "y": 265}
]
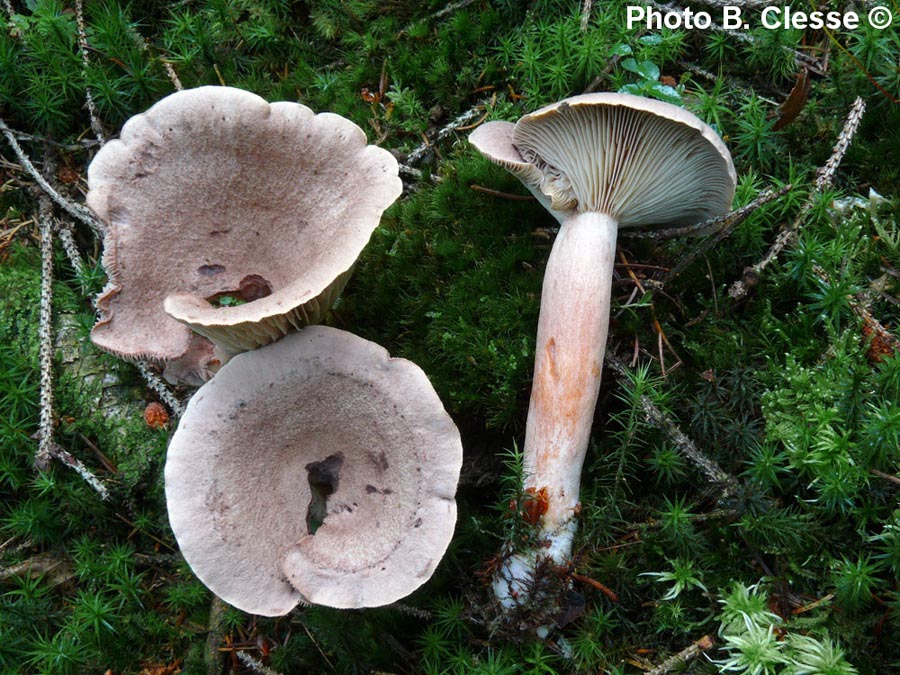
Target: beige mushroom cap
[
  {"x": 326, "y": 407},
  {"x": 638, "y": 160},
  {"x": 213, "y": 189}
]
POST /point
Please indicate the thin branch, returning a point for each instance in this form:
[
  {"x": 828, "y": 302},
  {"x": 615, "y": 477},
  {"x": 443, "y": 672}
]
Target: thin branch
[
  {"x": 75, "y": 146},
  {"x": 215, "y": 659},
  {"x": 727, "y": 484},
  {"x": 677, "y": 660},
  {"x": 67, "y": 240},
  {"x": 418, "y": 174},
  {"x": 161, "y": 388},
  {"x": 10, "y": 12},
  {"x": 75, "y": 464},
  {"x": 419, "y": 153},
  {"x": 586, "y": 7},
  {"x": 722, "y": 227},
  {"x": 255, "y": 665},
  {"x": 887, "y": 476},
  {"x": 824, "y": 177},
  {"x": 452, "y": 7},
  {"x": 96, "y": 126},
  {"x": 713, "y": 226},
  {"x": 173, "y": 76},
  {"x": 45, "y": 336},
  {"x": 73, "y": 209}
]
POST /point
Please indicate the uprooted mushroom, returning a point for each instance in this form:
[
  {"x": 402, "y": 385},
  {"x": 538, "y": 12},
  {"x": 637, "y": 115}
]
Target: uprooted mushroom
[
  {"x": 597, "y": 162},
  {"x": 241, "y": 219},
  {"x": 315, "y": 469}
]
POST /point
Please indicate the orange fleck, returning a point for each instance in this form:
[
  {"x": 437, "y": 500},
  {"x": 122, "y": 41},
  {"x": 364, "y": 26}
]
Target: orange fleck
[
  {"x": 535, "y": 504},
  {"x": 155, "y": 416}
]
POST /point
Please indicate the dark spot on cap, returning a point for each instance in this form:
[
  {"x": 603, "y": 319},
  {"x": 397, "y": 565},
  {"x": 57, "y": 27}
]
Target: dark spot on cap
[{"x": 210, "y": 270}]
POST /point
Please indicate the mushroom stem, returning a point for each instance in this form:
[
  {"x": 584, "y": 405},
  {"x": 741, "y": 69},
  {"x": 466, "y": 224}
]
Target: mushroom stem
[{"x": 571, "y": 341}]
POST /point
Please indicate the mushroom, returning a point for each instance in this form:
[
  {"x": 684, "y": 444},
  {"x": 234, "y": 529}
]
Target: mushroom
[
  {"x": 315, "y": 469},
  {"x": 597, "y": 162},
  {"x": 214, "y": 193}
]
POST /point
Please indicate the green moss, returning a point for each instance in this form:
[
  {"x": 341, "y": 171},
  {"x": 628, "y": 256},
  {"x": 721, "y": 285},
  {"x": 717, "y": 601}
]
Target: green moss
[{"x": 785, "y": 390}]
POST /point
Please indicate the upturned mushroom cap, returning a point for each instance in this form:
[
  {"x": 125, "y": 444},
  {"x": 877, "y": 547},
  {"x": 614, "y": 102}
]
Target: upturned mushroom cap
[
  {"x": 640, "y": 161},
  {"x": 213, "y": 191},
  {"x": 262, "y": 444}
]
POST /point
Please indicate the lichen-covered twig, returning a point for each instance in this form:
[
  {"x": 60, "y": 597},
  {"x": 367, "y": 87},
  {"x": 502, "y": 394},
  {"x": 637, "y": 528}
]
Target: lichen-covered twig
[
  {"x": 725, "y": 483},
  {"x": 47, "y": 448},
  {"x": 45, "y": 337},
  {"x": 419, "y": 153},
  {"x": 213, "y": 656},
  {"x": 67, "y": 458},
  {"x": 161, "y": 388},
  {"x": 255, "y": 665},
  {"x": 72, "y": 253},
  {"x": 677, "y": 660},
  {"x": 10, "y": 12},
  {"x": 73, "y": 209},
  {"x": 722, "y": 227},
  {"x": 96, "y": 126},
  {"x": 444, "y": 11},
  {"x": 586, "y": 7},
  {"x": 824, "y": 178}
]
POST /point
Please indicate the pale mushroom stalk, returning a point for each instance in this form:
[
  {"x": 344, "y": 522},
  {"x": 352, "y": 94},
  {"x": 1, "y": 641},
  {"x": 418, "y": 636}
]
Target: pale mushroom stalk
[
  {"x": 597, "y": 162},
  {"x": 571, "y": 341}
]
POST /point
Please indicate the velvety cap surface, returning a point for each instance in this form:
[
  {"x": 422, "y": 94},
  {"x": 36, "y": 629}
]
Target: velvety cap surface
[
  {"x": 213, "y": 191},
  {"x": 319, "y": 432}
]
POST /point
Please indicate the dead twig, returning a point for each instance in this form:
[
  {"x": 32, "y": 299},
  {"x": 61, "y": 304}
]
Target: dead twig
[
  {"x": 255, "y": 665},
  {"x": 45, "y": 336},
  {"x": 712, "y": 226},
  {"x": 67, "y": 458},
  {"x": 67, "y": 239},
  {"x": 887, "y": 476},
  {"x": 213, "y": 658},
  {"x": 726, "y": 484},
  {"x": 722, "y": 227},
  {"x": 449, "y": 9},
  {"x": 73, "y": 209},
  {"x": 162, "y": 390},
  {"x": 677, "y": 660},
  {"x": 96, "y": 126},
  {"x": 586, "y": 7},
  {"x": 418, "y": 174},
  {"x": 462, "y": 120},
  {"x": 502, "y": 195},
  {"x": 824, "y": 178}
]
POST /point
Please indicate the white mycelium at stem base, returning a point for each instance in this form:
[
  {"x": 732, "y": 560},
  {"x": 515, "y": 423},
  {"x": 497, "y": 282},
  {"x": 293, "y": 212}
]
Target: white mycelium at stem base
[{"x": 596, "y": 162}]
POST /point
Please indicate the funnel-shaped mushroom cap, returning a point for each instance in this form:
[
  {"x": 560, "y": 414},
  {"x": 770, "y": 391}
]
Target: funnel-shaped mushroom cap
[
  {"x": 213, "y": 192},
  {"x": 319, "y": 424},
  {"x": 640, "y": 161}
]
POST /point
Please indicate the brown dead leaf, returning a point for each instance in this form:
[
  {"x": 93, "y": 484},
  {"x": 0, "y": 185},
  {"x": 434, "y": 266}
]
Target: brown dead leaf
[{"x": 795, "y": 102}]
